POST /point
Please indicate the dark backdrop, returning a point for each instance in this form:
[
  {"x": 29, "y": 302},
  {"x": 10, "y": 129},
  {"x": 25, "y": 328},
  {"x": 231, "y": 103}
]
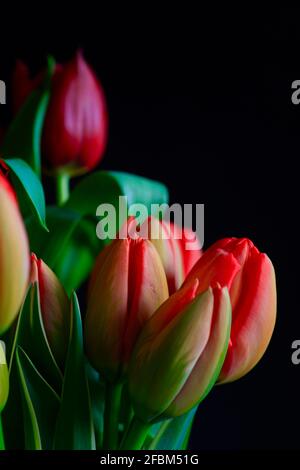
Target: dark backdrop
[{"x": 202, "y": 101}]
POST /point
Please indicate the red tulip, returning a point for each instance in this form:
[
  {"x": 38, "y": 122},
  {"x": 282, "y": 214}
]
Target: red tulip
[
  {"x": 76, "y": 123},
  {"x": 180, "y": 352},
  {"x": 55, "y": 309},
  {"x": 190, "y": 257},
  {"x": 127, "y": 285},
  {"x": 23, "y": 84},
  {"x": 250, "y": 278},
  {"x": 14, "y": 256}
]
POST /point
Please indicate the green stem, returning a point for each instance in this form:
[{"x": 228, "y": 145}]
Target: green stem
[
  {"x": 136, "y": 435},
  {"x": 159, "y": 434},
  {"x": 127, "y": 410},
  {"x": 128, "y": 418},
  {"x": 111, "y": 416},
  {"x": 2, "y": 445},
  {"x": 62, "y": 187}
]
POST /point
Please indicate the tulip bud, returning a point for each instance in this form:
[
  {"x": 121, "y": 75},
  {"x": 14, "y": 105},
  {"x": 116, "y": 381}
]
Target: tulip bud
[
  {"x": 75, "y": 129},
  {"x": 4, "y": 379},
  {"x": 250, "y": 278},
  {"x": 23, "y": 84},
  {"x": 169, "y": 250},
  {"x": 180, "y": 352},
  {"x": 190, "y": 257},
  {"x": 127, "y": 285},
  {"x": 55, "y": 309},
  {"x": 170, "y": 243},
  {"x": 14, "y": 256},
  {"x": 76, "y": 123}
]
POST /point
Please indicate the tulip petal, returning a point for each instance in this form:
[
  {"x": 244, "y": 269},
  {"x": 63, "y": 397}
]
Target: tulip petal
[
  {"x": 169, "y": 309},
  {"x": 107, "y": 309},
  {"x": 253, "y": 318},
  {"x": 169, "y": 249},
  {"x": 220, "y": 269},
  {"x": 190, "y": 257},
  {"x": 55, "y": 309},
  {"x": 207, "y": 369},
  {"x": 75, "y": 130},
  {"x": 148, "y": 289},
  {"x": 14, "y": 256},
  {"x": 162, "y": 364}
]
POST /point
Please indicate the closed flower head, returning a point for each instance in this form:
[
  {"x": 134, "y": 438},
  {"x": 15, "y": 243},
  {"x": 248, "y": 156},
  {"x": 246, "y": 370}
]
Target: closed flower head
[{"x": 127, "y": 285}]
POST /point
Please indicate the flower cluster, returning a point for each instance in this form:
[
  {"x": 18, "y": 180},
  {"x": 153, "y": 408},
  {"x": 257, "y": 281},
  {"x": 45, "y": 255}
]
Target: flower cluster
[{"x": 161, "y": 324}]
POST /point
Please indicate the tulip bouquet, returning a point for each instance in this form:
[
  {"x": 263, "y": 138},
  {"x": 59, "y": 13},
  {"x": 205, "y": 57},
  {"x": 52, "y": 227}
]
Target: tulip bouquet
[{"x": 161, "y": 325}]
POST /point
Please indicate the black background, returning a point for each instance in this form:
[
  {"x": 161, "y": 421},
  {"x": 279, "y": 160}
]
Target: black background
[{"x": 202, "y": 101}]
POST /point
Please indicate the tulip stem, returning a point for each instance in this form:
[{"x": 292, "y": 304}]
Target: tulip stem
[
  {"x": 2, "y": 446},
  {"x": 111, "y": 416},
  {"x": 136, "y": 435},
  {"x": 159, "y": 434},
  {"x": 62, "y": 187}
]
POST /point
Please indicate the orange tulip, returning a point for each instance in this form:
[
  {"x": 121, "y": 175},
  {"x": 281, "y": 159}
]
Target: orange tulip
[
  {"x": 180, "y": 352},
  {"x": 252, "y": 289},
  {"x": 127, "y": 285},
  {"x": 170, "y": 242},
  {"x": 169, "y": 250}
]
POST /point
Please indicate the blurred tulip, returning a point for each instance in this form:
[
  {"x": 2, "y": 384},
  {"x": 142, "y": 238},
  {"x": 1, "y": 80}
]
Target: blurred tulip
[
  {"x": 23, "y": 84},
  {"x": 180, "y": 352},
  {"x": 250, "y": 278},
  {"x": 127, "y": 285},
  {"x": 55, "y": 309},
  {"x": 14, "y": 256},
  {"x": 4, "y": 378},
  {"x": 76, "y": 124},
  {"x": 75, "y": 130}
]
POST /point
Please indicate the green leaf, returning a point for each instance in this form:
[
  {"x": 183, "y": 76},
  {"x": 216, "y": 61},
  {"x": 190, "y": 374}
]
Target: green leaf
[
  {"x": 49, "y": 246},
  {"x": 78, "y": 255},
  {"x": 28, "y": 187},
  {"x": 106, "y": 187},
  {"x": 71, "y": 247},
  {"x": 74, "y": 430},
  {"x": 31, "y": 336},
  {"x": 23, "y": 138},
  {"x": 97, "y": 392},
  {"x": 13, "y": 413},
  {"x": 40, "y": 404},
  {"x": 76, "y": 260},
  {"x": 31, "y": 428},
  {"x": 173, "y": 434}
]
